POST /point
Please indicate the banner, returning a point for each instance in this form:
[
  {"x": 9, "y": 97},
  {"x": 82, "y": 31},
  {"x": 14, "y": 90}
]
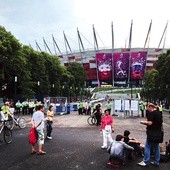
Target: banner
[
  {"x": 121, "y": 65},
  {"x": 104, "y": 66},
  {"x": 137, "y": 65}
]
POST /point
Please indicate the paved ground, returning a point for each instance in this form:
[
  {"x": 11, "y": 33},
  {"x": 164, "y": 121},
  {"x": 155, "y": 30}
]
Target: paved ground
[{"x": 75, "y": 145}]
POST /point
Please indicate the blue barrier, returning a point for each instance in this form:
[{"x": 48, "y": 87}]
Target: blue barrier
[
  {"x": 60, "y": 109},
  {"x": 68, "y": 109},
  {"x": 75, "y": 108}
]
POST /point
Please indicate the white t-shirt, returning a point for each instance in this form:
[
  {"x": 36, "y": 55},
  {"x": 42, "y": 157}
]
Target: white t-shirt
[{"x": 37, "y": 117}]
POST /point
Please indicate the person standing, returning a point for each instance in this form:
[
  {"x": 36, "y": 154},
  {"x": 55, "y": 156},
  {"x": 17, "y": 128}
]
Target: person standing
[
  {"x": 107, "y": 127},
  {"x": 18, "y": 107},
  {"x": 50, "y": 115},
  {"x": 98, "y": 114},
  {"x": 80, "y": 108},
  {"x": 25, "y": 106},
  {"x": 31, "y": 107},
  {"x": 89, "y": 108},
  {"x": 142, "y": 108},
  {"x": 109, "y": 107},
  {"x": 38, "y": 123},
  {"x": 153, "y": 125}
]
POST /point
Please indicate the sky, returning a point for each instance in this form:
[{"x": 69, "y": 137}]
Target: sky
[{"x": 33, "y": 20}]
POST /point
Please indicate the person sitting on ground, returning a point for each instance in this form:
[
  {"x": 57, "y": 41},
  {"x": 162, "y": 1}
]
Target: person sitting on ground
[
  {"x": 117, "y": 149},
  {"x": 132, "y": 142},
  {"x": 168, "y": 148}
]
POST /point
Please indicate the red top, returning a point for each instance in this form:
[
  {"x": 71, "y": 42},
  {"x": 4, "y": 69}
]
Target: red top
[{"x": 106, "y": 120}]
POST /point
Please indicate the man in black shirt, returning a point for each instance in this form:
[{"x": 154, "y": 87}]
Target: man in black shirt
[{"x": 153, "y": 125}]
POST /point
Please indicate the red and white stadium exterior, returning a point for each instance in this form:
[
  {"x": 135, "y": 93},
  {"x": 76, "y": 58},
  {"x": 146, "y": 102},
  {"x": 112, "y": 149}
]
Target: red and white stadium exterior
[{"x": 88, "y": 60}]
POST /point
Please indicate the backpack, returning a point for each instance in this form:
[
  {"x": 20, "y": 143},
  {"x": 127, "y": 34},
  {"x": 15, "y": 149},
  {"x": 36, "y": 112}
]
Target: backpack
[{"x": 33, "y": 136}]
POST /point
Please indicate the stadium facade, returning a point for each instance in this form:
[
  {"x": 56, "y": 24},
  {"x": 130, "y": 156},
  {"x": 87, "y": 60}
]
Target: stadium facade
[
  {"x": 113, "y": 66},
  {"x": 118, "y": 67}
]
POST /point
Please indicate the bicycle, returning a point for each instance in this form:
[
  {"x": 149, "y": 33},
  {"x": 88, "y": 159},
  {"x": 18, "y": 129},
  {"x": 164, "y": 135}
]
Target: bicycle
[
  {"x": 92, "y": 120},
  {"x": 21, "y": 122},
  {"x": 7, "y": 133}
]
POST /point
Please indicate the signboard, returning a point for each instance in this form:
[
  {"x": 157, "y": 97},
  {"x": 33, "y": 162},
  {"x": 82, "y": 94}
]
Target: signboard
[{"x": 118, "y": 105}]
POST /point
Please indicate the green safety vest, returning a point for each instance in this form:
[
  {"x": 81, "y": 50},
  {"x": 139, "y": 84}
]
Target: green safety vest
[
  {"x": 5, "y": 110},
  {"x": 109, "y": 105},
  {"x": 18, "y": 105}
]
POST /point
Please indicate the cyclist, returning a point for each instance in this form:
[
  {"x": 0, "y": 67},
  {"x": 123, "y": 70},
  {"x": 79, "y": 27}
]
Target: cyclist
[{"x": 6, "y": 110}]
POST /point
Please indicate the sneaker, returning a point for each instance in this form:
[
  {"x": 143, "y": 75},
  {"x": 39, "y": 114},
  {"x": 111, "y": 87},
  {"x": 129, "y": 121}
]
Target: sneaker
[
  {"x": 49, "y": 137},
  {"x": 142, "y": 164},
  {"x": 154, "y": 164},
  {"x": 104, "y": 147},
  {"x": 109, "y": 163}
]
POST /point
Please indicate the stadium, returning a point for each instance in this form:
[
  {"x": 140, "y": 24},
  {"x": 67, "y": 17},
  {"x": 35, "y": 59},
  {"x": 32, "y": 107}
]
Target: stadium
[
  {"x": 111, "y": 67},
  {"x": 108, "y": 68}
]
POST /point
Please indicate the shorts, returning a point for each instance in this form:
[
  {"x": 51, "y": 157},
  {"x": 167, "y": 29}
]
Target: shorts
[{"x": 40, "y": 134}]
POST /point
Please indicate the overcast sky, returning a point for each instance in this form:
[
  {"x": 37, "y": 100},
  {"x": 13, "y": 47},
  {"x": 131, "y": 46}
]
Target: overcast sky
[{"x": 30, "y": 20}]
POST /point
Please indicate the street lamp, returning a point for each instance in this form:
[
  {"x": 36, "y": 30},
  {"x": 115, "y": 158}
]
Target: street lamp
[
  {"x": 63, "y": 90},
  {"x": 70, "y": 93},
  {"x": 76, "y": 92},
  {"x": 38, "y": 83},
  {"x": 15, "y": 89},
  {"x": 52, "y": 89}
]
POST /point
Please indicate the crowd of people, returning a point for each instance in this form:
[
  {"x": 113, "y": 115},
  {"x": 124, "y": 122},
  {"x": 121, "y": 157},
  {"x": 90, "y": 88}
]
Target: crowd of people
[
  {"x": 38, "y": 121},
  {"x": 124, "y": 146}
]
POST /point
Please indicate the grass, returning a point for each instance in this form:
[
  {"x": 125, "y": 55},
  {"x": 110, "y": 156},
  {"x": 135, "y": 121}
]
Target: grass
[{"x": 117, "y": 90}]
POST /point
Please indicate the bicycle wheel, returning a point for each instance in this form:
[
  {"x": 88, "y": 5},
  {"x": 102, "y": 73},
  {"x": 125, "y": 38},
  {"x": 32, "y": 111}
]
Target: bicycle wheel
[
  {"x": 94, "y": 121},
  {"x": 7, "y": 135},
  {"x": 10, "y": 124},
  {"x": 22, "y": 123},
  {"x": 89, "y": 120}
]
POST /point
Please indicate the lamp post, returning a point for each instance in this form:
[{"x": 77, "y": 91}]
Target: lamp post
[
  {"x": 15, "y": 89},
  {"x": 53, "y": 89},
  {"x": 63, "y": 90},
  {"x": 131, "y": 91},
  {"x": 76, "y": 89},
  {"x": 70, "y": 93},
  {"x": 38, "y": 83}
]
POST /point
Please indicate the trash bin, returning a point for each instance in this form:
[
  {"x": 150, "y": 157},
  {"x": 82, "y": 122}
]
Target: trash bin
[
  {"x": 58, "y": 109},
  {"x": 75, "y": 108},
  {"x": 68, "y": 109}
]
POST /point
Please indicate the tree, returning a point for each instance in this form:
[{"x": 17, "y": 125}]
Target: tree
[
  {"x": 11, "y": 61},
  {"x": 157, "y": 82},
  {"x": 79, "y": 74}
]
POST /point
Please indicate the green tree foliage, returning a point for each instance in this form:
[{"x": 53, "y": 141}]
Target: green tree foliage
[
  {"x": 31, "y": 67},
  {"x": 11, "y": 61},
  {"x": 78, "y": 72},
  {"x": 78, "y": 79},
  {"x": 157, "y": 81}
]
